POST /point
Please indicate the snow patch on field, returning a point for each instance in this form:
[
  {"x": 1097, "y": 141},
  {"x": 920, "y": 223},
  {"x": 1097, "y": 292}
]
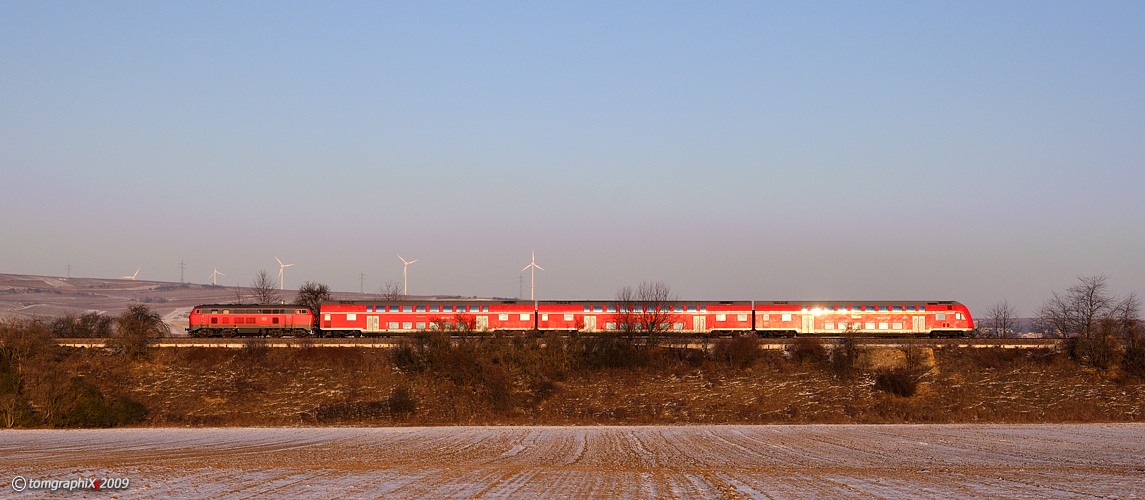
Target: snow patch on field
[{"x": 823, "y": 461}]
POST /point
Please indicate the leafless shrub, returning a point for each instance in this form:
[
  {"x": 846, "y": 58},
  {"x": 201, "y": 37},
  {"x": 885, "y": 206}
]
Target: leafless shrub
[
  {"x": 1001, "y": 320},
  {"x": 264, "y": 288},
  {"x": 401, "y": 402},
  {"x": 902, "y": 382},
  {"x": 645, "y": 311},
  {"x": 807, "y": 350},
  {"x": 739, "y": 352},
  {"x": 844, "y": 359},
  {"x": 391, "y": 291},
  {"x": 137, "y": 328},
  {"x": 87, "y": 325},
  {"x": 312, "y": 294}
]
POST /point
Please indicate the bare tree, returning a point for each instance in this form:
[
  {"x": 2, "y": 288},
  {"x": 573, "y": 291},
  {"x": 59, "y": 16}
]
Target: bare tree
[
  {"x": 311, "y": 295},
  {"x": 1075, "y": 313},
  {"x": 264, "y": 288},
  {"x": 1001, "y": 319},
  {"x": 1095, "y": 321},
  {"x": 645, "y": 311},
  {"x": 391, "y": 290}
]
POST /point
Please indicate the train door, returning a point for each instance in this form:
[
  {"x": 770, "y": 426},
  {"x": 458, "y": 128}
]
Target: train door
[
  {"x": 699, "y": 324},
  {"x": 808, "y": 324},
  {"x": 483, "y": 322},
  {"x": 919, "y": 324},
  {"x": 590, "y": 323},
  {"x": 371, "y": 323}
]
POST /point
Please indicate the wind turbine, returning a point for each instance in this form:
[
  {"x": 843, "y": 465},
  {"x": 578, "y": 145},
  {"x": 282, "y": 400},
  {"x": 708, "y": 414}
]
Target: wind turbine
[
  {"x": 532, "y": 275},
  {"x": 214, "y": 277},
  {"x": 281, "y": 266},
  {"x": 132, "y": 277},
  {"x": 405, "y": 277}
]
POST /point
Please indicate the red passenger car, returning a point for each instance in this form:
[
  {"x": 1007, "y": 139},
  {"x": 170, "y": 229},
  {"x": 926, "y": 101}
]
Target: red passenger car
[
  {"x": 890, "y": 318},
  {"x": 237, "y": 320}
]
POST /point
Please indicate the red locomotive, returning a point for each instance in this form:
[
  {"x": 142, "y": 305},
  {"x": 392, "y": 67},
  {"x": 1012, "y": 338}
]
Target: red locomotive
[{"x": 233, "y": 320}]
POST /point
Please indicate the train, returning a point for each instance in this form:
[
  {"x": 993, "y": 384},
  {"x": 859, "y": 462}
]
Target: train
[{"x": 354, "y": 318}]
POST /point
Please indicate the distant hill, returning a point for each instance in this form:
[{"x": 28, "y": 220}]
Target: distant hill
[{"x": 48, "y": 297}]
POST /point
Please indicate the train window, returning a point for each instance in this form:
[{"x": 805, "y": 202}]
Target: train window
[
  {"x": 766, "y": 317},
  {"x": 804, "y": 308},
  {"x": 274, "y": 320},
  {"x": 407, "y": 308},
  {"x": 611, "y": 309},
  {"x": 407, "y": 326},
  {"x": 638, "y": 309},
  {"x": 433, "y": 309},
  {"x": 420, "y": 309},
  {"x": 882, "y": 308},
  {"x": 393, "y": 325},
  {"x": 610, "y": 326},
  {"x": 721, "y": 317},
  {"x": 958, "y": 316},
  {"x": 869, "y": 326},
  {"x": 351, "y": 317},
  {"x": 678, "y": 326},
  {"x": 484, "y": 308},
  {"x": 742, "y": 317},
  {"x": 922, "y": 308},
  {"x": 940, "y": 316},
  {"x": 525, "y": 317},
  {"x": 896, "y": 326},
  {"x": 214, "y": 321},
  {"x": 327, "y": 317},
  {"x": 597, "y": 308},
  {"x": 786, "y": 317},
  {"x": 883, "y": 326},
  {"x": 300, "y": 311},
  {"x": 503, "y": 317},
  {"x": 421, "y": 325},
  {"x": 703, "y": 308},
  {"x": 828, "y": 326},
  {"x": 587, "y": 308},
  {"x": 692, "y": 309},
  {"x": 896, "y": 308},
  {"x": 568, "y": 316}
]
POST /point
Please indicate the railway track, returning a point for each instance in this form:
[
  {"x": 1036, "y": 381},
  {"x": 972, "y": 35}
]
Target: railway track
[{"x": 690, "y": 343}]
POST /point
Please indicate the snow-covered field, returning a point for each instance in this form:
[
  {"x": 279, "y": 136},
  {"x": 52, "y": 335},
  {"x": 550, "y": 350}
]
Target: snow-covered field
[{"x": 799, "y": 461}]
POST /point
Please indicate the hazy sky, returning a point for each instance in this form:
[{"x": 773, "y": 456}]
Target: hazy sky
[{"x": 922, "y": 150}]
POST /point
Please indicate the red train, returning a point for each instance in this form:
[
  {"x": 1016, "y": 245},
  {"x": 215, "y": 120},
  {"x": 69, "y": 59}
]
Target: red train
[
  {"x": 238, "y": 320},
  {"x": 779, "y": 318}
]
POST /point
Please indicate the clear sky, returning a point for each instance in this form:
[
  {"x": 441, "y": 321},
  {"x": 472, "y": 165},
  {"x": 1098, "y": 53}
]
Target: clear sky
[{"x": 916, "y": 150}]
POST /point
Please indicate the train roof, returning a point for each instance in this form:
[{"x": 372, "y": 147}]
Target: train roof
[
  {"x": 705, "y": 302},
  {"x": 252, "y": 306}
]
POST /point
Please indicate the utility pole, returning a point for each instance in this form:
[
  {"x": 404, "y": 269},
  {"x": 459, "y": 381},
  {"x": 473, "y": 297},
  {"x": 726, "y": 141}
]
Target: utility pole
[
  {"x": 182, "y": 267},
  {"x": 362, "y": 283},
  {"x": 69, "y": 270}
]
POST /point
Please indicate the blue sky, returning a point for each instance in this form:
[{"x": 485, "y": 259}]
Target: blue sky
[{"x": 966, "y": 151}]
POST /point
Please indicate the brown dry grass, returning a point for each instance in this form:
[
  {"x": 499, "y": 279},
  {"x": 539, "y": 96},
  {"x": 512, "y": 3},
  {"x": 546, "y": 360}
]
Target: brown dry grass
[{"x": 515, "y": 382}]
